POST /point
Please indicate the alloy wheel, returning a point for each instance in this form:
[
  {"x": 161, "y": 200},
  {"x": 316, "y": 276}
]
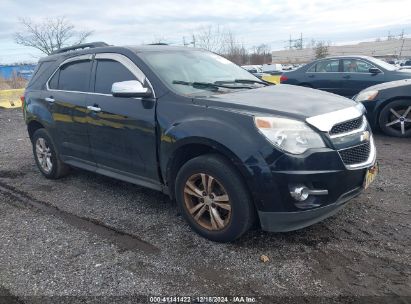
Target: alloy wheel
[
  {"x": 400, "y": 119},
  {"x": 43, "y": 153},
  {"x": 207, "y": 201}
]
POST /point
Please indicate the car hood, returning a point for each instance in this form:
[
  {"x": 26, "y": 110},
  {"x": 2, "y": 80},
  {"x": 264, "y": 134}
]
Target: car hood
[
  {"x": 390, "y": 84},
  {"x": 283, "y": 100}
]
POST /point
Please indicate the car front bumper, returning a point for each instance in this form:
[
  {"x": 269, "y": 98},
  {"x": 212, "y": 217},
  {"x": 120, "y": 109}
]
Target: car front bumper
[{"x": 288, "y": 221}]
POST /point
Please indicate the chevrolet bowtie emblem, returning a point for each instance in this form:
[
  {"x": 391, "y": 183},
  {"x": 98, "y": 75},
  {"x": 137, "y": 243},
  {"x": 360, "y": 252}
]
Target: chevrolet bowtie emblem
[{"x": 365, "y": 136}]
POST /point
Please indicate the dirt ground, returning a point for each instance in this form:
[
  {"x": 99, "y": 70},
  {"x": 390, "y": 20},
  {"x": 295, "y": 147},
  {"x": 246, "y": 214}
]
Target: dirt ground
[{"x": 90, "y": 239}]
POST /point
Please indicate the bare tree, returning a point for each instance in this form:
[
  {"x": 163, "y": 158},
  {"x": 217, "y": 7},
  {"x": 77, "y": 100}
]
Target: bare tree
[
  {"x": 210, "y": 38},
  {"x": 50, "y": 34},
  {"x": 321, "y": 49}
]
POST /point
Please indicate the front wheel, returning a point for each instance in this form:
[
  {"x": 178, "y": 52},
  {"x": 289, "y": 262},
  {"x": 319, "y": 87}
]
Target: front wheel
[
  {"x": 214, "y": 199},
  {"x": 395, "y": 118}
]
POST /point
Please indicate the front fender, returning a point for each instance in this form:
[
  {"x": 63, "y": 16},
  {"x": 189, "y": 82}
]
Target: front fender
[{"x": 231, "y": 134}]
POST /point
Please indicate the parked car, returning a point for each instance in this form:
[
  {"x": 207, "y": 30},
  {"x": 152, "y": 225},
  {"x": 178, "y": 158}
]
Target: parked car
[
  {"x": 287, "y": 67},
  {"x": 389, "y": 107},
  {"x": 272, "y": 68},
  {"x": 256, "y": 70},
  {"x": 406, "y": 65},
  {"x": 344, "y": 75},
  {"x": 227, "y": 147}
]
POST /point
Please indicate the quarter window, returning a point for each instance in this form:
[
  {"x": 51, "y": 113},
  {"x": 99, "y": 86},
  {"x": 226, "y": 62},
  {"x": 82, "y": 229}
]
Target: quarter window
[
  {"x": 108, "y": 72},
  {"x": 54, "y": 81}
]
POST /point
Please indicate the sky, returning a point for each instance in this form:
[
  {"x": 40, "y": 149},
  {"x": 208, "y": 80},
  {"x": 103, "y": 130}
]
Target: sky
[{"x": 253, "y": 22}]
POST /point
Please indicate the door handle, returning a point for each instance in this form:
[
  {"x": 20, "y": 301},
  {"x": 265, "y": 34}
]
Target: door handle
[
  {"x": 94, "y": 109},
  {"x": 311, "y": 76},
  {"x": 49, "y": 99},
  {"x": 347, "y": 77}
]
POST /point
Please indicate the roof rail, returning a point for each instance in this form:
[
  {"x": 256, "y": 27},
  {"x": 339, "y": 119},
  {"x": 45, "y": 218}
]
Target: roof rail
[{"x": 79, "y": 47}]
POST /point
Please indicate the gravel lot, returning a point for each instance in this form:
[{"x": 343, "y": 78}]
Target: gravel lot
[{"x": 88, "y": 238}]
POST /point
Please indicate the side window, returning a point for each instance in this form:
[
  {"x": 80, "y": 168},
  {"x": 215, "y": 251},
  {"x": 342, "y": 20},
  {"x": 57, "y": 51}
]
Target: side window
[
  {"x": 108, "y": 72},
  {"x": 74, "y": 76},
  {"x": 326, "y": 66},
  {"x": 356, "y": 66},
  {"x": 312, "y": 69}
]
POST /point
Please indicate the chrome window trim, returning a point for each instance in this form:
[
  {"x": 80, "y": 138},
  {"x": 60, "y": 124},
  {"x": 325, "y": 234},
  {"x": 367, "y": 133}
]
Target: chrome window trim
[
  {"x": 125, "y": 61},
  {"x": 325, "y": 122},
  {"x": 370, "y": 160}
]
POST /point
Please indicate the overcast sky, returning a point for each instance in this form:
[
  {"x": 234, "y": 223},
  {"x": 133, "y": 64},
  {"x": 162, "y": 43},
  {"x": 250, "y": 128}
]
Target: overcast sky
[{"x": 252, "y": 21}]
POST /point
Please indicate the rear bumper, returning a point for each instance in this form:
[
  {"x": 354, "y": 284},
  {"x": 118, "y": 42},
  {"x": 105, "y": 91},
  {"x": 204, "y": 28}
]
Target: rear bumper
[{"x": 288, "y": 221}]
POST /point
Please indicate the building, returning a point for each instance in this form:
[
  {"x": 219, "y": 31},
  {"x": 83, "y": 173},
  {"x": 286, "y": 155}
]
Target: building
[
  {"x": 387, "y": 49},
  {"x": 20, "y": 70}
]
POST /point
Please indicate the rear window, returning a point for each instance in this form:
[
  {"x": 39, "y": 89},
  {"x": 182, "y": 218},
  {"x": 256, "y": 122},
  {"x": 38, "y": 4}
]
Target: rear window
[{"x": 73, "y": 76}]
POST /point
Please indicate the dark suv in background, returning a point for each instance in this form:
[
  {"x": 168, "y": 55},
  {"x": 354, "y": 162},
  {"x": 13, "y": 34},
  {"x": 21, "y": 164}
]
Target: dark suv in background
[{"x": 229, "y": 148}]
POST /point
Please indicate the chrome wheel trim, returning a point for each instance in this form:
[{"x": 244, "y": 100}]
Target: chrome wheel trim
[
  {"x": 207, "y": 202},
  {"x": 43, "y": 154},
  {"x": 399, "y": 119}
]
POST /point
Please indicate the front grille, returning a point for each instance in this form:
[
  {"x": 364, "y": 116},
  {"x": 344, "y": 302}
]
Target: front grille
[
  {"x": 347, "y": 126},
  {"x": 356, "y": 155}
]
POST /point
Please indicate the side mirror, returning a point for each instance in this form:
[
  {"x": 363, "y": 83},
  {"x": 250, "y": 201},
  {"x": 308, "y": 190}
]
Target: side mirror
[
  {"x": 130, "y": 88},
  {"x": 374, "y": 71}
]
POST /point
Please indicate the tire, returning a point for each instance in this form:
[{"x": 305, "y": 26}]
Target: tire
[
  {"x": 236, "y": 212},
  {"x": 46, "y": 156},
  {"x": 395, "y": 118}
]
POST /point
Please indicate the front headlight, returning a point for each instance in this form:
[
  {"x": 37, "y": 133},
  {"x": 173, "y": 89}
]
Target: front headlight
[
  {"x": 366, "y": 95},
  {"x": 290, "y": 135}
]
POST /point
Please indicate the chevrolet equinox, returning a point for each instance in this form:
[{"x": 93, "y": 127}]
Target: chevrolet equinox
[{"x": 232, "y": 150}]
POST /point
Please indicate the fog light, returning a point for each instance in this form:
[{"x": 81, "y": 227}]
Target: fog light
[{"x": 301, "y": 192}]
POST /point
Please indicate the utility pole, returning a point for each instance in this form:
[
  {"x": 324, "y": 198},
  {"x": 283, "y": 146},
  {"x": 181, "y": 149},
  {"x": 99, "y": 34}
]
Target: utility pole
[
  {"x": 290, "y": 41},
  {"x": 402, "y": 45},
  {"x": 194, "y": 41},
  {"x": 301, "y": 41}
]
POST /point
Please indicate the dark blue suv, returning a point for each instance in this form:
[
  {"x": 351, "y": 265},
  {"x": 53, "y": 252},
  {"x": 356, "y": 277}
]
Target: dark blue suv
[{"x": 229, "y": 148}]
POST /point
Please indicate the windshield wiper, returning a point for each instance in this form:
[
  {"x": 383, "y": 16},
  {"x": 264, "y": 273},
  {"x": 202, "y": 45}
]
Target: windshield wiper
[
  {"x": 245, "y": 81},
  {"x": 252, "y": 81},
  {"x": 208, "y": 85}
]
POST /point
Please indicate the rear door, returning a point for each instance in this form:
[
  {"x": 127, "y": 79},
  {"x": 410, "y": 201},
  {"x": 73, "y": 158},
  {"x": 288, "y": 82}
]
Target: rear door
[
  {"x": 66, "y": 94},
  {"x": 122, "y": 129},
  {"x": 356, "y": 76},
  {"x": 325, "y": 75}
]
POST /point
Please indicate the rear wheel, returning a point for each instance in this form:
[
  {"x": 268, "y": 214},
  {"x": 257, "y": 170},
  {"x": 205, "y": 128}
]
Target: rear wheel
[
  {"x": 214, "y": 199},
  {"x": 395, "y": 118},
  {"x": 46, "y": 156}
]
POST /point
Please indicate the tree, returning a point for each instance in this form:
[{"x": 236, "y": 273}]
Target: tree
[
  {"x": 50, "y": 34},
  {"x": 321, "y": 49},
  {"x": 211, "y": 38}
]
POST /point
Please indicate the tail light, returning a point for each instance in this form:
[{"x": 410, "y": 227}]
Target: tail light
[
  {"x": 22, "y": 101},
  {"x": 283, "y": 78}
]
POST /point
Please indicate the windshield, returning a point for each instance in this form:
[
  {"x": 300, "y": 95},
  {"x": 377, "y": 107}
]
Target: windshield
[
  {"x": 179, "y": 68},
  {"x": 383, "y": 64}
]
